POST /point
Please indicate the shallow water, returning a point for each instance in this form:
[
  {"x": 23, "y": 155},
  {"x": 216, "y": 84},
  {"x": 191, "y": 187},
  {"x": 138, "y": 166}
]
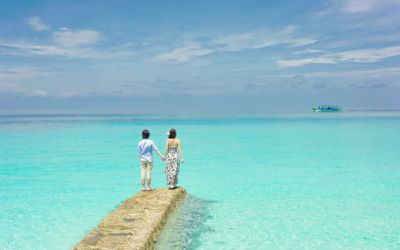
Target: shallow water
[
  {"x": 315, "y": 181},
  {"x": 185, "y": 225}
]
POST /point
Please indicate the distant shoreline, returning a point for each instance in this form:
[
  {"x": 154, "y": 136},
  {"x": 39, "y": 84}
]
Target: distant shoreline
[{"x": 149, "y": 115}]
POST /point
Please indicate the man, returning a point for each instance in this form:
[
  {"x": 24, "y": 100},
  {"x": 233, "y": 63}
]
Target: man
[{"x": 145, "y": 150}]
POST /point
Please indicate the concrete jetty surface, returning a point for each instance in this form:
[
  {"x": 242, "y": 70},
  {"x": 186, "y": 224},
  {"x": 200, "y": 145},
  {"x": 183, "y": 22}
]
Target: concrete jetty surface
[{"x": 136, "y": 223}]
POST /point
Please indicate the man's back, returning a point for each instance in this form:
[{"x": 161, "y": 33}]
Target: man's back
[{"x": 145, "y": 150}]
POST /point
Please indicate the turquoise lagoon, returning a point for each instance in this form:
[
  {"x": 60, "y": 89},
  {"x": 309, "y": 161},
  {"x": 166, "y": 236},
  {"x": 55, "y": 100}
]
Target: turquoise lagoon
[{"x": 305, "y": 181}]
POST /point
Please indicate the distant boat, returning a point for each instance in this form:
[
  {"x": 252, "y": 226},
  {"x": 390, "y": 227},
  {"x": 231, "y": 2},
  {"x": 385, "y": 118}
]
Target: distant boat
[{"x": 327, "y": 108}]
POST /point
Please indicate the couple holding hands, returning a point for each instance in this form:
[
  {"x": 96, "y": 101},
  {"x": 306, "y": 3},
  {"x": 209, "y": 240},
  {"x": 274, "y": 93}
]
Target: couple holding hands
[{"x": 172, "y": 157}]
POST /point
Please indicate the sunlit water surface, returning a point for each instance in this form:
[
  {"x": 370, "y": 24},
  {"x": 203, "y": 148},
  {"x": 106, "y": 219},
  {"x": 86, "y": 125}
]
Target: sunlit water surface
[{"x": 315, "y": 181}]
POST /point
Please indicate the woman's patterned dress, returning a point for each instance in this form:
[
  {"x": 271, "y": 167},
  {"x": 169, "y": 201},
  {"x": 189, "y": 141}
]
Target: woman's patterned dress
[{"x": 172, "y": 166}]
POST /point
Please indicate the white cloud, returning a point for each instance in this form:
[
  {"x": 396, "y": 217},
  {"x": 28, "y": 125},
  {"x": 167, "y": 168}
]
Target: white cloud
[
  {"x": 68, "y": 38},
  {"x": 66, "y": 43},
  {"x": 308, "y": 51},
  {"x": 288, "y": 30},
  {"x": 363, "y": 55},
  {"x": 14, "y": 80},
  {"x": 68, "y": 94},
  {"x": 235, "y": 43},
  {"x": 183, "y": 54},
  {"x": 7, "y": 87},
  {"x": 302, "y": 41},
  {"x": 262, "y": 39},
  {"x": 22, "y": 73},
  {"x": 349, "y": 23},
  {"x": 367, "y": 55},
  {"x": 29, "y": 49},
  {"x": 358, "y": 6},
  {"x": 350, "y": 7},
  {"x": 392, "y": 71},
  {"x": 37, "y": 24},
  {"x": 37, "y": 92},
  {"x": 304, "y": 61}
]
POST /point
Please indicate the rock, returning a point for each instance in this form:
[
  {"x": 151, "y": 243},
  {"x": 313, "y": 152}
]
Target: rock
[{"x": 136, "y": 223}]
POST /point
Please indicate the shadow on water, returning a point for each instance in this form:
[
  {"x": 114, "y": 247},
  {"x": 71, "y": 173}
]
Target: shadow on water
[{"x": 185, "y": 226}]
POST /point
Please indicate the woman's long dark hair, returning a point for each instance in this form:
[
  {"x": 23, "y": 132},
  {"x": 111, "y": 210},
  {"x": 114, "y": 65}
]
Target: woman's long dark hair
[{"x": 172, "y": 134}]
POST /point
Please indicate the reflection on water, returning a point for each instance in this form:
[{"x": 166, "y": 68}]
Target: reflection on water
[{"x": 185, "y": 226}]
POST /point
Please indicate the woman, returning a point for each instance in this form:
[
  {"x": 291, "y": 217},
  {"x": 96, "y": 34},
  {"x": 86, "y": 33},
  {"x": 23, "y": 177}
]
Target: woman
[{"x": 173, "y": 155}]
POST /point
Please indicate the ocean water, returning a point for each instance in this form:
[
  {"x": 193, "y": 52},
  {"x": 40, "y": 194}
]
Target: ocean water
[{"x": 305, "y": 181}]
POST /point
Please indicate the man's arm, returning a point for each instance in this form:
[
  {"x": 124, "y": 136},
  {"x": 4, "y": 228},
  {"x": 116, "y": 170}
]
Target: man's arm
[
  {"x": 161, "y": 156},
  {"x": 158, "y": 152}
]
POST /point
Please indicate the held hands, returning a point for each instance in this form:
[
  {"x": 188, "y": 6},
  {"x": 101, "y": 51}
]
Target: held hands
[{"x": 163, "y": 158}]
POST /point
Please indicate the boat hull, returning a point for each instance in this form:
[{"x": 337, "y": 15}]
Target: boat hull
[{"x": 327, "y": 109}]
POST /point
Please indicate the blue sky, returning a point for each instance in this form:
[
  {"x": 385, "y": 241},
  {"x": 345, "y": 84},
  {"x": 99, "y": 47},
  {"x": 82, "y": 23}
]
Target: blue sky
[{"x": 198, "y": 56}]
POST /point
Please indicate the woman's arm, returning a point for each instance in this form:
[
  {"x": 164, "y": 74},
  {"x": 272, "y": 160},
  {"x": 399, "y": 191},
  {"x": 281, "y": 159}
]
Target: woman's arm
[
  {"x": 180, "y": 151},
  {"x": 166, "y": 148}
]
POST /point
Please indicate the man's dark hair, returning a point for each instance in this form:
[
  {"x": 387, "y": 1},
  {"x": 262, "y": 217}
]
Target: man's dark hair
[{"x": 145, "y": 134}]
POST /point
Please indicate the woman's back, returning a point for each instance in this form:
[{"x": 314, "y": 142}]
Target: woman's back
[{"x": 173, "y": 143}]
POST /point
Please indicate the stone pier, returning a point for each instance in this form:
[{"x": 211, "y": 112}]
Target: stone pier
[{"x": 135, "y": 224}]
